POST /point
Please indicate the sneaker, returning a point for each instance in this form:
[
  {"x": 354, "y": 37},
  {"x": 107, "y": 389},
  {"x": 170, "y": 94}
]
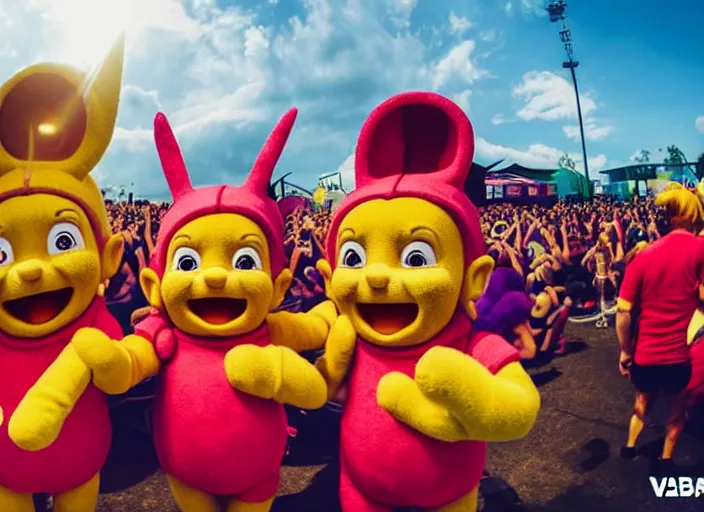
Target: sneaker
[{"x": 628, "y": 452}]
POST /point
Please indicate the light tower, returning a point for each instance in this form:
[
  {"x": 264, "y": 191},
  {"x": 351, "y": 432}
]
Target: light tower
[{"x": 556, "y": 10}]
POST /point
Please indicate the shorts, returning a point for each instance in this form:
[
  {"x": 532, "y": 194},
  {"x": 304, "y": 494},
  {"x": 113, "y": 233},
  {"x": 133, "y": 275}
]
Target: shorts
[{"x": 671, "y": 379}]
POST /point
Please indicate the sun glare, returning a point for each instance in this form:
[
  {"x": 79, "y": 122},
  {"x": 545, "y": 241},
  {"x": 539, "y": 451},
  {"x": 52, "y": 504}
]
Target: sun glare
[
  {"x": 47, "y": 129},
  {"x": 84, "y": 31}
]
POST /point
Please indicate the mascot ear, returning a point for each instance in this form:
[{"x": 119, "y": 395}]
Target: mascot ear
[
  {"x": 171, "y": 158},
  {"x": 262, "y": 170},
  {"x": 55, "y": 116},
  {"x": 415, "y": 133}
]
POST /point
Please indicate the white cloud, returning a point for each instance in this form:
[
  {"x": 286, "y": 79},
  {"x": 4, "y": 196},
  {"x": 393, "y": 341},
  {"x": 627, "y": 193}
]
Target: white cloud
[
  {"x": 462, "y": 99},
  {"x": 401, "y": 11},
  {"x": 536, "y": 7},
  {"x": 539, "y": 156},
  {"x": 638, "y": 155},
  {"x": 549, "y": 97},
  {"x": 592, "y": 131},
  {"x": 458, "y": 65},
  {"x": 509, "y": 8},
  {"x": 488, "y": 36},
  {"x": 699, "y": 123},
  {"x": 224, "y": 75},
  {"x": 256, "y": 43},
  {"x": 498, "y": 119},
  {"x": 346, "y": 169},
  {"x": 459, "y": 24}
]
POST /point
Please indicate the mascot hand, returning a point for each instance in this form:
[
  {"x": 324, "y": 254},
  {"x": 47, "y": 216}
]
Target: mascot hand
[
  {"x": 165, "y": 345},
  {"x": 457, "y": 382},
  {"x": 255, "y": 370},
  {"x": 400, "y": 396},
  {"x": 108, "y": 361}
]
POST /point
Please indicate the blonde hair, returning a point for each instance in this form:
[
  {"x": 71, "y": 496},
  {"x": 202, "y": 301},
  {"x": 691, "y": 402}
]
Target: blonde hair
[
  {"x": 634, "y": 252},
  {"x": 684, "y": 206}
]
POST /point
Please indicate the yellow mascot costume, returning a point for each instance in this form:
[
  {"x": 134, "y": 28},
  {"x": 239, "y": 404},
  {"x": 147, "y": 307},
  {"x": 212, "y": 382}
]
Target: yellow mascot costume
[
  {"x": 56, "y": 253},
  {"x": 407, "y": 262}
]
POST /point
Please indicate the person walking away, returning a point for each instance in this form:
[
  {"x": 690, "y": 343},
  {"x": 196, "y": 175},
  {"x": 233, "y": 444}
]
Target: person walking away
[{"x": 661, "y": 291}]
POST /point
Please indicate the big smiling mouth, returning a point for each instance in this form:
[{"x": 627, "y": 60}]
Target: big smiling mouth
[
  {"x": 218, "y": 310},
  {"x": 39, "y": 308},
  {"x": 388, "y": 318}
]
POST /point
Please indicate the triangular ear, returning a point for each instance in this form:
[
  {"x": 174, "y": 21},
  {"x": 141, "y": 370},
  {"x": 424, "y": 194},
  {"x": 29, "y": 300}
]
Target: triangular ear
[
  {"x": 171, "y": 158},
  {"x": 263, "y": 168},
  {"x": 415, "y": 133},
  {"x": 68, "y": 116}
]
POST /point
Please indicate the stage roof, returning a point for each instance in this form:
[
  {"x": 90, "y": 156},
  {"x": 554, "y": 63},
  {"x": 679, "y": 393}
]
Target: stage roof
[
  {"x": 541, "y": 175},
  {"x": 643, "y": 171}
]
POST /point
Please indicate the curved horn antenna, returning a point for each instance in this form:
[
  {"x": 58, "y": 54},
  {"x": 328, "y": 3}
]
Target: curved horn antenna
[
  {"x": 171, "y": 158},
  {"x": 263, "y": 168}
]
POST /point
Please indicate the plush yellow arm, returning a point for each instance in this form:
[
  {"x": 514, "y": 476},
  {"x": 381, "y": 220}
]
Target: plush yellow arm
[
  {"x": 302, "y": 331},
  {"x": 275, "y": 373},
  {"x": 501, "y": 407},
  {"x": 39, "y": 417},
  {"x": 339, "y": 351},
  {"x": 399, "y": 395},
  {"x": 116, "y": 366}
]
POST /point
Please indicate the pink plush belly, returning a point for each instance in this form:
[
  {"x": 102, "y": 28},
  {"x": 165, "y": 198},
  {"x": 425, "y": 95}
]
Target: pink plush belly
[
  {"x": 210, "y": 436},
  {"x": 396, "y": 465},
  {"x": 84, "y": 442}
]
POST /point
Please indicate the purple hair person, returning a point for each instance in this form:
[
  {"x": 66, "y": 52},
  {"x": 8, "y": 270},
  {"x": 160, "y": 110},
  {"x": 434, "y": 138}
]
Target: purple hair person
[{"x": 505, "y": 309}]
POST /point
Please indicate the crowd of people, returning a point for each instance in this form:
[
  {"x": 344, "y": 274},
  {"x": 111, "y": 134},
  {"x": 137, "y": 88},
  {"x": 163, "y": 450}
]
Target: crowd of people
[
  {"x": 570, "y": 256},
  {"x": 566, "y": 260}
]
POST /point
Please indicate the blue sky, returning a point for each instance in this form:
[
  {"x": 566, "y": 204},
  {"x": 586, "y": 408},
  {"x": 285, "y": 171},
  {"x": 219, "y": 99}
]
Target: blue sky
[{"x": 223, "y": 71}]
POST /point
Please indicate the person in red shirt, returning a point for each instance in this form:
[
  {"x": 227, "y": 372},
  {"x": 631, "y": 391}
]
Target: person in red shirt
[{"x": 656, "y": 302}]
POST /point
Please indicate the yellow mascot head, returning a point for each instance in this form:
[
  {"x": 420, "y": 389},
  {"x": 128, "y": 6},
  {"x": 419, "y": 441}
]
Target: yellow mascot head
[{"x": 56, "y": 245}]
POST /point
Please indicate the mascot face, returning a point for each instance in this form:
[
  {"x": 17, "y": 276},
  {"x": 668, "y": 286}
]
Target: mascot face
[
  {"x": 50, "y": 272},
  {"x": 397, "y": 279},
  {"x": 218, "y": 281},
  {"x": 56, "y": 246}
]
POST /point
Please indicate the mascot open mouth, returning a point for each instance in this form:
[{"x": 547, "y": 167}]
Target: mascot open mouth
[
  {"x": 218, "y": 310},
  {"x": 39, "y": 308},
  {"x": 388, "y": 318}
]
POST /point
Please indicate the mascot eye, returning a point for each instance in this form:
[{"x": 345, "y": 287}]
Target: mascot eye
[
  {"x": 64, "y": 237},
  {"x": 186, "y": 259},
  {"x": 418, "y": 254},
  {"x": 352, "y": 255},
  {"x": 247, "y": 258},
  {"x": 6, "y": 254}
]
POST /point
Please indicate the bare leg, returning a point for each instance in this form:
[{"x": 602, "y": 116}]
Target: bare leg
[
  {"x": 467, "y": 503},
  {"x": 675, "y": 423},
  {"x": 640, "y": 409},
  {"x": 83, "y": 498},
  {"x": 295, "y": 256},
  {"x": 11, "y": 501},
  {"x": 189, "y": 499}
]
